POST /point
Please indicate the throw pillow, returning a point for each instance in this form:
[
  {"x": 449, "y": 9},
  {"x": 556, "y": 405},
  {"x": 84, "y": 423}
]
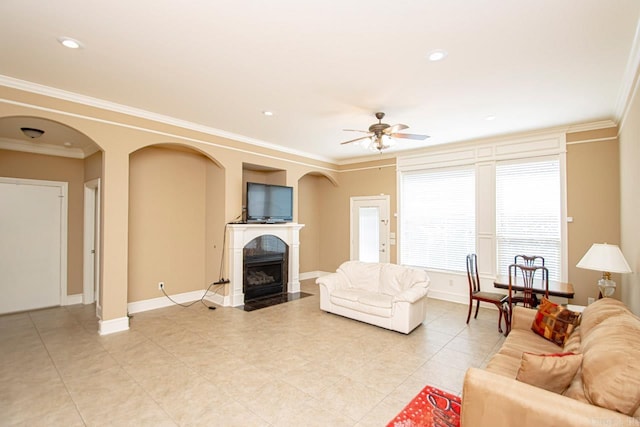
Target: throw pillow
[
  {"x": 552, "y": 372},
  {"x": 554, "y": 322}
]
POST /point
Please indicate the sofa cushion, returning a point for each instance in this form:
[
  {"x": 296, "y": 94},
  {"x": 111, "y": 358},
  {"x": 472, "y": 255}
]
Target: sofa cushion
[
  {"x": 395, "y": 278},
  {"x": 572, "y": 345},
  {"x": 345, "y": 294},
  {"x": 576, "y": 388},
  {"x": 376, "y": 300},
  {"x": 554, "y": 322},
  {"x": 507, "y": 361},
  {"x": 599, "y": 311},
  {"x": 363, "y": 301},
  {"x": 552, "y": 372},
  {"x": 611, "y": 362},
  {"x": 362, "y": 275}
]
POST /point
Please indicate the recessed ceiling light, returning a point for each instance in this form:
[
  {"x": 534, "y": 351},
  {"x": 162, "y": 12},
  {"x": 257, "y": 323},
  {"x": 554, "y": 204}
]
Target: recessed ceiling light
[
  {"x": 70, "y": 43},
  {"x": 437, "y": 55},
  {"x": 491, "y": 117},
  {"x": 268, "y": 113},
  {"x": 67, "y": 144}
]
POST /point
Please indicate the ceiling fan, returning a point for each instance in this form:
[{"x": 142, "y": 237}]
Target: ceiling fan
[{"x": 380, "y": 135}]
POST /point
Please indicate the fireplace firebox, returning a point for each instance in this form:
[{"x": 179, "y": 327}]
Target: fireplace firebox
[{"x": 265, "y": 266}]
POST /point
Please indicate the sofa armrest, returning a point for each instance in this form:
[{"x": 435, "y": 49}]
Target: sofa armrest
[
  {"x": 414, "y": 293},
  {"x": 523, "y": 318},
  {"x": 330, "y": 281},
  {"x": 489, "y": 399}
]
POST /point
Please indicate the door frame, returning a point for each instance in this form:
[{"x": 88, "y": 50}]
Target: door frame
[
  {"x": 64, "y": 189},
  {"x": 91, "y": 260},
  {"x": 384, "y": 198}
]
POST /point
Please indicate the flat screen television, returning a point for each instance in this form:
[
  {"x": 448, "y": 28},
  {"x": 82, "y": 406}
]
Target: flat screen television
[{"x": 269, "y": 203}]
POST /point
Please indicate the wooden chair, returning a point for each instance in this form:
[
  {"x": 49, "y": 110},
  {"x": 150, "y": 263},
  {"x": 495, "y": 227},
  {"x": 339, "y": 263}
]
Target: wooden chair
[
  {"x": 475, "y": 294},
  {"x": 527, "y": 298},
  {"x": 529, "y": 261}
]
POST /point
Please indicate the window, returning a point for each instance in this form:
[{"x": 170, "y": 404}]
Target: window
[
  {"x": 528, "y": 214},
  {"x": 438, "y": 218}
]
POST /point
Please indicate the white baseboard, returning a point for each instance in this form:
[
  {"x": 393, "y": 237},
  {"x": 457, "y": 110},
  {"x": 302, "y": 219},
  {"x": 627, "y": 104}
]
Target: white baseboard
[
  {"x": 448, "y": 296},
  {"x": 72, "y": 299},
  {"x": 457, "y": 298},
  {"x": 223, "y": 300},
  {"x": 160, "y": 302},
  {"x": 106, "y": 327},
  {"x": 312, "y": 274}
]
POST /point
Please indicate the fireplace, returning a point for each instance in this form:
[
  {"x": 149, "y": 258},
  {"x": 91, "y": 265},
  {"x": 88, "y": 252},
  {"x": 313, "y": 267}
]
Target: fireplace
[
  {"x": 265, "y": 262},
  {"x": 238, "y": 237}
]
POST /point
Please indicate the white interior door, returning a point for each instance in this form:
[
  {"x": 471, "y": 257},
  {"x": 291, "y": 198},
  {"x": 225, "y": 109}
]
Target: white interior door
[
  {"x": 370, "y": 229},
  {"x": 32, "y": 244},
  {"x": 91, "y": 287}
]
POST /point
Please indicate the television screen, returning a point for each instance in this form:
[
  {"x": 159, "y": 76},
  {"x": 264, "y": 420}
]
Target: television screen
[{"x": 269, "y": 203}]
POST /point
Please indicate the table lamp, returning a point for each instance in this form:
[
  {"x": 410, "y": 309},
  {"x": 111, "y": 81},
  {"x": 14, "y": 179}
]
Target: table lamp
[{"x": 608, "y": 259}]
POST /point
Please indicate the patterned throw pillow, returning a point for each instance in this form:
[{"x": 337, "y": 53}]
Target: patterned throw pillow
[
  {"x": 554, "y": 322},
  {"x": 553, "y": 372}
]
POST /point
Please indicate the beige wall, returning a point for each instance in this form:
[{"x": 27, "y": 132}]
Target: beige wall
[
  {"x": 363, "y": 179},
  {"x": 222, "y": 182},
  {"x": 593, "y": 200},
  {"x": 172, "y": 211},
  {"x": 93, "y": 166},
  {"x": 215, "y": 226},
  {"x": 16, "y": 164},
  {"x": 310, "y": 211},
  {"x": 630, "y": 203},
  {"x": 118, "y": 135}
]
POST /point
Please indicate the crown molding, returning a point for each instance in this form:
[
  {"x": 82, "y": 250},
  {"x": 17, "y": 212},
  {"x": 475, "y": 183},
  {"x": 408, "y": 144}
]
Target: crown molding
[
  {"x": 148, "y": 115},
  {"x": 630, "y": 79},
  {"x": 47, "y": 149},
  {"x": 584, "y": 127}
]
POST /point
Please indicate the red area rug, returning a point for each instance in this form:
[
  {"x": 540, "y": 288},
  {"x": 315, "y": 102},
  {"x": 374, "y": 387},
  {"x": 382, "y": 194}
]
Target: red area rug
[{"x": 432, "y": 407}]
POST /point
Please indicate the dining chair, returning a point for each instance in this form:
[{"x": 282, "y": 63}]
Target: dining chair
[
  {"x": 477, "y": 295},
  {"x": 524, "y": 276},
  {"x": 529, "y": 260}
]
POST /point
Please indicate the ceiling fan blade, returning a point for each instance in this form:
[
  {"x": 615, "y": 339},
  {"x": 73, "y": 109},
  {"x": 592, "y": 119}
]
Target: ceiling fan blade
[
  {"x": 395, "y": 128},
  {"x": 409, "y": 136},
  {"x": 356, "y": 130},
  {"x": 354, "y": 140}
]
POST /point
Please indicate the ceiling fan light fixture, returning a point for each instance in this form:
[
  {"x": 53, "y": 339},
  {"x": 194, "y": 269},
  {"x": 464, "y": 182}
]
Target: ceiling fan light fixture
[{"x": 32, "y": 133}]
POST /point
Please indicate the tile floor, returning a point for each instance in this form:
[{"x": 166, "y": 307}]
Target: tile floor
[{"x": 286, "y": 365}]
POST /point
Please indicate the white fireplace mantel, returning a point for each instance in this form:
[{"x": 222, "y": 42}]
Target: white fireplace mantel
[{"x": 238, "y": 235}]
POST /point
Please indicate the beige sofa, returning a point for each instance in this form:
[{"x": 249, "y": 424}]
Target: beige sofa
[
  {"x": 605, "y": 391},
  {"x": 386, "y": 295}
]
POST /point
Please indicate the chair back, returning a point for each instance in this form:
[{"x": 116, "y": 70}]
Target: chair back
[
  {"x": 525, "y": 276},
  {"x": 472, "y": 273},
  {"x": 529, "y": 261}
]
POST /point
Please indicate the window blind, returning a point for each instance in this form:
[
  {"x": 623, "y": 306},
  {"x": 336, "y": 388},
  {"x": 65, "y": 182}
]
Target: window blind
[
  {"x": 437, "y": 218},
  {"x": 528, "y": 214}
]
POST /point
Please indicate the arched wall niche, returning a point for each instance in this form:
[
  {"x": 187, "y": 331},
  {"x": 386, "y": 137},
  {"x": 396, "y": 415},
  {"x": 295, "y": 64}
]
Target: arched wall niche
[
  {"x": 176, "y": 220},
  {"x": 313, "y": 212}
]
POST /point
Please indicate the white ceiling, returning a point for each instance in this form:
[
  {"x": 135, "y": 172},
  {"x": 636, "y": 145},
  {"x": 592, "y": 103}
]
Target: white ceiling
[{"x": 323, "y": 66}]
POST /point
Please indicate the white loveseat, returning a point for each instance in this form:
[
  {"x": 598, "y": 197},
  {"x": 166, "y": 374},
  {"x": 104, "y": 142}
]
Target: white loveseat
[{"x": 386, "y": 295}]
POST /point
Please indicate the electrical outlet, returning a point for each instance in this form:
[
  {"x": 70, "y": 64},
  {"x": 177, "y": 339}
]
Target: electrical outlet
[
  {"x": 590, "y": 300},
  {"x": 160, "y": 286}
]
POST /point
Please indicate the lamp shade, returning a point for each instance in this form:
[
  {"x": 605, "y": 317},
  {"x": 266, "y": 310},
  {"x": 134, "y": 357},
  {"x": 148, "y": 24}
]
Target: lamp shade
[{"x": 604, "y": 257}]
